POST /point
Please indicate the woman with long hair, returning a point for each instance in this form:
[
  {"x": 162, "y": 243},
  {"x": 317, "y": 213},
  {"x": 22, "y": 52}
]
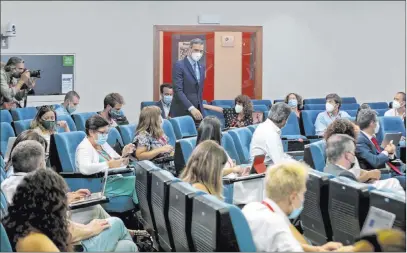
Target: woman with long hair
[
  {"x": 239, "y": 116},
  {"x": 42, "y": 193},
  {"x": 210, "y": 129},
  {"x": 204, "y": 168},
  {"x": 45, "y": 123},
  {"x": 150, "y": 139}
]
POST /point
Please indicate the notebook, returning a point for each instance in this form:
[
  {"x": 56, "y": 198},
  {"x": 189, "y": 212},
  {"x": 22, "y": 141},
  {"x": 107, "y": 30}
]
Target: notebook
[{"x": 377, "y": 219}]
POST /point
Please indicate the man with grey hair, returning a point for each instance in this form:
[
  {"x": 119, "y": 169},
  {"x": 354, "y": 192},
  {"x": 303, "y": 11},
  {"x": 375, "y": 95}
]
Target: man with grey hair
[
  {"x": 188, "y": 77},
  {"x": 27, "y": 156},
  {"x": 267, "y": 136},
  {"x": 71, "y": 102},
  {"x": 333, "y": 112},
  {"x": 370, "y": 154},
  {"x": 13, "y": 76},
  {"x": 340, "y": 154}
]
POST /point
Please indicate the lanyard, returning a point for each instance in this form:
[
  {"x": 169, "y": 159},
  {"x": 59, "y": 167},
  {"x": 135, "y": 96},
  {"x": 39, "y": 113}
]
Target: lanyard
[
  {"x": 337, "y": 116},
  {"x": 108, "y": 158},
  {"x": 267, "y": 205}
]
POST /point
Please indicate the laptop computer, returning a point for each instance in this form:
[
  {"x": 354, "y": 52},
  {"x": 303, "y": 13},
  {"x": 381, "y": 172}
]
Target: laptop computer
[
  {"x": 97, "y": 196},
  {"x": 258, "y": 166},
  {"x": 10, "y": 144},
  {"x": 377, "y": 219}
]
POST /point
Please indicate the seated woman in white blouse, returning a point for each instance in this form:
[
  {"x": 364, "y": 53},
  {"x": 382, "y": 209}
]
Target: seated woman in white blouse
[{"x": 95, "y": 155}]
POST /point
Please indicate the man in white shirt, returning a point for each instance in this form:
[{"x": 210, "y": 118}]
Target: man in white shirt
[
  {"x": 399, "y": 106},
  {"x": 269, "y": 220},
  {"x": 267, "y": 136}
]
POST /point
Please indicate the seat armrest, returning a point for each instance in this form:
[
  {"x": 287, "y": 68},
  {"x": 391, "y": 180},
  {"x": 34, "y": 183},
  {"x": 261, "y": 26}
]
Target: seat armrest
[
  {"x": 313, "y": 137},
  {"x": 243, "y": 178},
  {"x": 88, "y": 204},
  {"x": 120, "y": 171},
  {"x": 79, "y": 175}
]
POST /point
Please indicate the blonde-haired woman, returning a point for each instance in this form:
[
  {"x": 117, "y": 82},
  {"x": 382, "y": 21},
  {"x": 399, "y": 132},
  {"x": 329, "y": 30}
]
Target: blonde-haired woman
[
  {"x": 269, "y": 222},
  {"x": 205, "y": 168},
  {"x": 150, "y": 140}
]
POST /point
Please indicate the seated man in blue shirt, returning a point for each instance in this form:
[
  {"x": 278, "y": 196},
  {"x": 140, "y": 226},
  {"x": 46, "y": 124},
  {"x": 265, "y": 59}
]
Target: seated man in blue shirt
[
  {"x": 333, "y": 104},
  {"x": 69, "y": 105}
]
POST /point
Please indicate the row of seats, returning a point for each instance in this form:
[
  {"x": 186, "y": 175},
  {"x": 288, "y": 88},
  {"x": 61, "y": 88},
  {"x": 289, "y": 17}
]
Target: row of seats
[
  {"x": 314, "y": 153},
  {"x": 185, "y": 219},
  {"x": 20, "y": 113},
  {"x": 335, "y": 209}
]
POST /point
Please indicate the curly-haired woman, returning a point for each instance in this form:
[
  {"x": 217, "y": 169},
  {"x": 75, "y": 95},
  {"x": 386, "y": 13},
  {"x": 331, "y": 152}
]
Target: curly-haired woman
[{"x": 239, "y": 116}]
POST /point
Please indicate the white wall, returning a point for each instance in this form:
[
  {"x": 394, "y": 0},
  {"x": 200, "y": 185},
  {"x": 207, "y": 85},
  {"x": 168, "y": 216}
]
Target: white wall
[{"x": 311, "y": 48}]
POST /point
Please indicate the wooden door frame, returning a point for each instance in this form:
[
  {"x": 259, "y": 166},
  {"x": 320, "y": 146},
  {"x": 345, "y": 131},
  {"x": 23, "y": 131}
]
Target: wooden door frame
[{"x": 258, "y": 30}]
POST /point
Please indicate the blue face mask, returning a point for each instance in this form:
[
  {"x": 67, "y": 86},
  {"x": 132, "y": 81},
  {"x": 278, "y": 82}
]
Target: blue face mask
[
  {"x": 115, "y": 113},
  {"x": 102, "y": 139},
  {"x": 70, "y": 109},
  {"x": 167, "y": 100},
  {"x": 296, "y": 212},
  {"x": 293, "y": 103}
]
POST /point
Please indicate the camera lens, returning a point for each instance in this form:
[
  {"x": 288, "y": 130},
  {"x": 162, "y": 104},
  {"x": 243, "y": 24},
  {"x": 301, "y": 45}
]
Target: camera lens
[{"x": 35, "y": 73}]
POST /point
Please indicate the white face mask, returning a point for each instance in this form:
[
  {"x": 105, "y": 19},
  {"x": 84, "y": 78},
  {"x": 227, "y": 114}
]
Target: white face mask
[
  {"x": 238, "y": 108},
  {"x": 396, "y": 104},
  {"x": 329, "y": 107},
  {"x": 196, "y": 56},
  {"x": 376, "y": 130}
]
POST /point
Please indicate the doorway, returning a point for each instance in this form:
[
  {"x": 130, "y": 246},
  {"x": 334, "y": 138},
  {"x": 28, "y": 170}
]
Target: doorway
[{"x": 232, "y": 58}]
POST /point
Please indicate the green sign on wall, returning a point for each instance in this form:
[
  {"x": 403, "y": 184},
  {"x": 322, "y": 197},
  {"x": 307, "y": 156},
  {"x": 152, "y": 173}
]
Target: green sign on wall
[{"x": 67, "y": 60}]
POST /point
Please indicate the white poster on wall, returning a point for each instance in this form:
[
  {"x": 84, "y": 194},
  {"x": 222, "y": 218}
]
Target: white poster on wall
[{"x": 67, "y": 83}]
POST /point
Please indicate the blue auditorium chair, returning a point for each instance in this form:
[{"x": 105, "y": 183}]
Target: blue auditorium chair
[
  {"x": 292, "y": 129},
  {"x": 379, "y": 105},
  {"x": 314, "y": 101},
  {"x": 230, "y": 103},
  {"x": 81, "y": 118},
  {"x": 180, "y": 215},
  {"x": 381, "y": 112},
  {"x": 267, "y": 103},
  {"x": 320, "y": 107},
  {"x": 349, "y": 100},
  {"x": 261, "y": 108},
  {"x": 24, "y": 113},
  {"x": 183, "y": 150},
  {"x": 347, "y": 107},
  {"x": 146, "y": 103},
  {"x": 5, "y": 245},
  {"x": 242, "y": 138},
  {"x": 5, "y": 116},
  {"x": 183, "y": 127},
  {"x": 22, "y": 125},
  {"x": 229, "y": 146},
  {"x": 69, "y": 121},
  {"x": 169, "y": 131},
  {"x": 390, "y": 125},
  {"x": 219, "y": 227},
  {"x": 352, "y": 113},
  {"x": 62, "y": 157},
  {"x": 127, "y": 132},
  {"x": 114, "y": 137},
  {"x": 315, "y": 217},
  {"x": 252, "y": 128},
  {"x": 278, "y": 101},
  {"x": 348, "y": 208},
  {"x": 3, "y": 204},
  {"x": 308, "y": 120},
  {"x": 144, "y": 170},
  {"x": 161, "y": 181},
  {"x": 6, "y": 132},
  {"x": 314, "y": 155},
  {"x": 218, "y": 115},
  {"x": 392, "y": 203},
  {"x": 3, "y": 174}
]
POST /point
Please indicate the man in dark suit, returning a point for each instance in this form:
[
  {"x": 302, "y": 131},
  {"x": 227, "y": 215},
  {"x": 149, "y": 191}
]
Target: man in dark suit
[
  {"x": 368, "y": 150},
  {"x": 166, "y": 99},
  {"x": 340, "y": 154},
  {"x": 188, "y": 80}
]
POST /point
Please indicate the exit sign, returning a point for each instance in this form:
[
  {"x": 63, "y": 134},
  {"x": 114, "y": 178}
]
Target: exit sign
[{"x": 67, "y": 60}]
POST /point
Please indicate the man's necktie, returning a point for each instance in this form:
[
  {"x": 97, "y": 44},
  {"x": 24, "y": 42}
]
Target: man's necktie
[
  {"x": 197, "y": 71},
  {"x": 393, "y": 167}
]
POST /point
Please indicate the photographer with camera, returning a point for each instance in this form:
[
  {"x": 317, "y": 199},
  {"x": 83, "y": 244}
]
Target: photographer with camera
[{"x": 16, "y": 82}]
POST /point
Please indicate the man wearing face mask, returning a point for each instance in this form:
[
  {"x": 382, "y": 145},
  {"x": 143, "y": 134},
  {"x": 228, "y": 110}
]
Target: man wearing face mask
[
  {"x": 188, "y": 77},
  {"x": 269, "y": 221},
  {"x": 399, "y": 106},
  {"x": 370, "y": 154},
  {"x": 70, "y": 104},
  {"x": 112, "y": 111},
  {"x": 333, "y": 105},
  {"x": 267, "y": 136},
  {"x": 13, "y": 77},
  {"x": 166, "y": 99}
]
